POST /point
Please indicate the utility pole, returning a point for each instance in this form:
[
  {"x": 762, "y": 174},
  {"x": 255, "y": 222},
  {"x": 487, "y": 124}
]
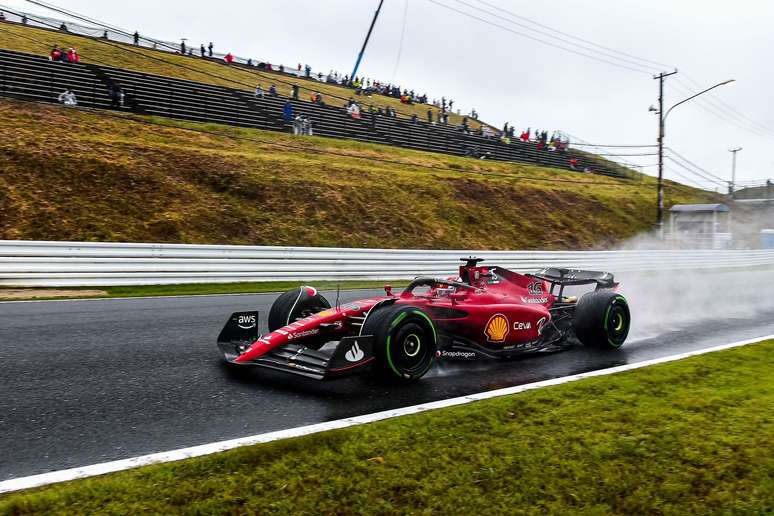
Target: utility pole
[
  {"x": 732, "y": 186},
  {"x": 661, "y": 120},
  {"x": 365, "y": 43}
]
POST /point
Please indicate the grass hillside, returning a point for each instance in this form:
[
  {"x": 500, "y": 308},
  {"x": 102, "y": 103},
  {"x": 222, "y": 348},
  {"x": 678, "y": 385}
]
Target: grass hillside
[
  {"x": 95, "y": 51},
  {"x": 69, "y": 174}
]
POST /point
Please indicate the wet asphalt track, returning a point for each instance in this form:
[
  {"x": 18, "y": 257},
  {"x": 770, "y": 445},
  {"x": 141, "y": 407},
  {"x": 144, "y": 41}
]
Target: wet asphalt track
[{"x": 83, "y": 382}]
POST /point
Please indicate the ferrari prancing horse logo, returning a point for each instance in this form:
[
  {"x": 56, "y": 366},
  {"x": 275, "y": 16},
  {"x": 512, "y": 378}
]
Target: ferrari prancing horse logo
[{"x": 497, "y": 329}]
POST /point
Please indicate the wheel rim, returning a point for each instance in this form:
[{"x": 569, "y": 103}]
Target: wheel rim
[
  {"x": 409, "y": 350},
  {"x": 617, "y": 322},
  {"x": 412, "y": 344}
]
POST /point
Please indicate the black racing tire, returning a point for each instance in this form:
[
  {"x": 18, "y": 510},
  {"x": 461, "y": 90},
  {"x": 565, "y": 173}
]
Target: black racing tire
[
  {"x": 296, "y": 304},
  {"x": 602, "y": 319},
  {"x": 405, "y": 342}
]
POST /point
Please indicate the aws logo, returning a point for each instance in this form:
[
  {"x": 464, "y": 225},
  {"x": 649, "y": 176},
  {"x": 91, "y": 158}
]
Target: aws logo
[{"x": 497, "y": 329}]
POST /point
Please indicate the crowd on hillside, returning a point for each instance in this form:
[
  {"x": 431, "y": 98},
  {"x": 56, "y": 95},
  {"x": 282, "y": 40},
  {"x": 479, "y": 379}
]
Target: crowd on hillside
[{"x": 362, "y": 86}]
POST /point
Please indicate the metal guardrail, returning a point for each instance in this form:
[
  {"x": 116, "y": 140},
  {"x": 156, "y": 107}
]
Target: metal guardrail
[{"x": 39, "y": 264}]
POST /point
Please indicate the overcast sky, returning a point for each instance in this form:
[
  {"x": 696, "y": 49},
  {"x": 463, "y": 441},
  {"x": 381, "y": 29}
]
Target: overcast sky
[{"x": 507, "y": 77}]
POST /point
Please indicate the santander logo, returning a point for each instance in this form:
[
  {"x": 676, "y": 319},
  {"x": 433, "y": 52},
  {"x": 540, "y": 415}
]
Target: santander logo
[{"x": 355, "y": 354}]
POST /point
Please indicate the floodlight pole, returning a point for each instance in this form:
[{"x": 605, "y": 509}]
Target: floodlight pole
[
  {"x": 661, "y": 124},
  {"x": 661, "y": 121},
  {"x": 732, "y": 187},
  {"x": 365, "y": 43}
]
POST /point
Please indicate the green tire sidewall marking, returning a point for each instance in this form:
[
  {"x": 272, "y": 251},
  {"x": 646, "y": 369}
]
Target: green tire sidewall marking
[
  {"x": 389, "y": 338},
  {"x": 398, "y": 320}
]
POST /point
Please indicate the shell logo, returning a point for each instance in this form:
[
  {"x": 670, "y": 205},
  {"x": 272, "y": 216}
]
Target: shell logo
[{"x": 497, "y": 328}]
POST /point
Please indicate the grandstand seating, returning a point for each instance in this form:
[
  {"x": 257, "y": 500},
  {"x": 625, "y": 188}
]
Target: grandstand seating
[{"x": 33, "y": 77}]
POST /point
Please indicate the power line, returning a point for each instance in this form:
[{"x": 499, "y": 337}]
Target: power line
[
  {"x": 698, "y": 174},
  {"x": 564, "y": 40},
  {"x": 670, "y": 149},
  {"x": 732, "y": 109},
  {"x": 551, "y": 44},
  {"x": 605, "y": 145},
  {"x": 719, "y": 113},
  {"x": 511, "y": 13},
  {"x": 402, "y": 36}
]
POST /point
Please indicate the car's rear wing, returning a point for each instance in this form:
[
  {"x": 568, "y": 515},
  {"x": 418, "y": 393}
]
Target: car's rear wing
[{"x": 566, "y": 277}]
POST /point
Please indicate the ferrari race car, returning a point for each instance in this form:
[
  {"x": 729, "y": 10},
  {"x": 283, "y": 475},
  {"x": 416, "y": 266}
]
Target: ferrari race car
[{"x": 485, "y": 312}]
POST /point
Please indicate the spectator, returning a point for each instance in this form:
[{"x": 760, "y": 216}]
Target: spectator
[
  {"x": 273, "y": 90},
  {"x": 249, "y": 61},
  {"x": 210, "y": 48},
  {"x": 451, "y": 104},
  {"x": 56, "y": 54},
  {"x": 68, "y": 98},
  {"x": 354, "y": 110},
  {"x": 72, "y": 56},
  {"x": 63, "y": 27},
  {"x": 414, "y": 118},
  {"x": 105, "y": 35},
  {"x": 281, "y": 68},
  {"x": 202, "y": 50},
  {"x": 182, "y": 47},
  {"x": 297, "y": 124},
  {"x": 287, "y": 111},
  {"x": 259, "y": 92},
  {"x": 116, "y": 96},
  {"x": 308, "y": 73},
  {"x": 429, "y": 116},
  {"x": 294, "y": 92},
  {"x": 574, "y": 164},
  {"x": 136, "y": 38},
  {"x": 24, "y": 19},
  {"x": 465, "y": 127},
  {"x": 473, "y": 114},
  {"x": 2, "y": 16},
  {"x": 229, "y": 58},
  {"x": 525, "y": 136}
]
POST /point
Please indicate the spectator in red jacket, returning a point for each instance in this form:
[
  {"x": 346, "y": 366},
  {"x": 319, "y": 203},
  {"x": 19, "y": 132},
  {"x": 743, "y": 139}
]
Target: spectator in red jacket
[
  {"x": 72, "y": 56},
  {"x": 56, "y": 54},
  {"x": 229, "y": 58},
  {"x": 574, "y": 164}
]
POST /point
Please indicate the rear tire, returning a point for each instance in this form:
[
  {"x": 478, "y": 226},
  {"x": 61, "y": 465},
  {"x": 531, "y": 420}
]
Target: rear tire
[
  {"x": 602, "y": 319},
  {"x": 405, "y": 342},
  {"x": 296, "y": 304}
]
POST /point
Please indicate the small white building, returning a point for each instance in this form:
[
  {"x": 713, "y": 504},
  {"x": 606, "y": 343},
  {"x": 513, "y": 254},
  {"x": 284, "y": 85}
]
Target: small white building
[{"x": 700, "y": 226}]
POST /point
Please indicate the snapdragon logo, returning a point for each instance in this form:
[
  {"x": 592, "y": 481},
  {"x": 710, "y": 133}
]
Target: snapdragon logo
[{"x": 465, "y": 355}]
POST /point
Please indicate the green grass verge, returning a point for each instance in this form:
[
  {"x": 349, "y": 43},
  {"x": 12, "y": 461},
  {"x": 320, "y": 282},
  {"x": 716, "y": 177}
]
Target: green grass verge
[
  {"x": 122, "y": 180},
  {"x": 690, "y": 437},
  {"x": 198, "y": 289}
]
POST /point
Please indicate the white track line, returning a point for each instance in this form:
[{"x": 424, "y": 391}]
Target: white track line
[{"x": 53, "y": 477}]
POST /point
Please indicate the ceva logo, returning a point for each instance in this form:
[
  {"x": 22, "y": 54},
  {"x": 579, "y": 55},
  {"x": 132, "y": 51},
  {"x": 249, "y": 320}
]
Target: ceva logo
[{"x": 355, "y": 354}]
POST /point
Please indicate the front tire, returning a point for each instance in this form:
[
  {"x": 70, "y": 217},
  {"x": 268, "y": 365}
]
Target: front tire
[
  {"x": 602, "y": 319},
  {"x": 296, "y": 304},
  {"x": 405, "y": 341}
]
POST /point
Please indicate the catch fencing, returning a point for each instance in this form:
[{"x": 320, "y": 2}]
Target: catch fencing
[{"x": 59, "y": 264}]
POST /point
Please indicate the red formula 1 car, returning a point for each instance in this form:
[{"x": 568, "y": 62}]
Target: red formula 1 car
[{"x": 485, "y": 312}]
